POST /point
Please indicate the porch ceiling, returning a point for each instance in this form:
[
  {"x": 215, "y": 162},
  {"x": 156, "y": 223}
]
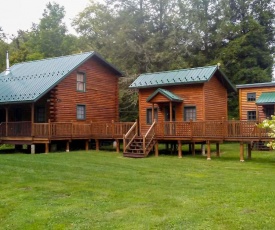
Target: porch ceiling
[
  {"x": 267, "y": 98},
  {"x": 169, "y": 95}
]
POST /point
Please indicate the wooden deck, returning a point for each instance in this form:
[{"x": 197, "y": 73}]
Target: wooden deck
[
  {"x": 179, "y": 132},
  {"x": 26, "y": 132}
]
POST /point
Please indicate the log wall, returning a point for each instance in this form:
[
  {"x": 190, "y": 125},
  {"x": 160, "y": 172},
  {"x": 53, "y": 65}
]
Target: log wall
[
  {"x": 215, "y": 100},
  {"x": 209, "y": 98},
  {"x": 245, "y": 106},
  {"x": 100, "y": 97}
]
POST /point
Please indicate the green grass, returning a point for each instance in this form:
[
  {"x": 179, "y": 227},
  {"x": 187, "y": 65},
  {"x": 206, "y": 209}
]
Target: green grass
[{"x": 103, "y": 190}]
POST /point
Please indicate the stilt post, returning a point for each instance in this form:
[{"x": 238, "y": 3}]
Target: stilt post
[
  {"x": 156, "y": 149},
  {"x": 241, "y": 152},
  {"x": 218, "y": 149},
  {"x": 208, "y": 150},
  {"x": 179, "y": 149}
]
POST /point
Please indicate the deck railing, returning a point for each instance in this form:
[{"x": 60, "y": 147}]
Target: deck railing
[
  {"x": 192, "y": 129},
  {"x": 210, "y": 129},
  {"x": 148, "y": 138},
  {"x": 130, "y": 136}
]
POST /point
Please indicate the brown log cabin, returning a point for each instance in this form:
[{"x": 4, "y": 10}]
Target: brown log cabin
[
  {"x": 60, "y": 99},
  {"x": 256, "y": 101},
  {"x": 75, "y": 97},
  {"x": 186, "y": 106}
]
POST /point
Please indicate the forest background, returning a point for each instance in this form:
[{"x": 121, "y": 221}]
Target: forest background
[{"x": 141, "y": 36}]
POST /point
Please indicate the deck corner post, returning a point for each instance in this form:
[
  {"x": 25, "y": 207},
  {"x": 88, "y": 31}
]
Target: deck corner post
[
  {"x": 179, "y": 149},
  {"x": 208, "y": 150},
  {"x": 241, "y": 152},
  {"x": 156, "y": 149}
]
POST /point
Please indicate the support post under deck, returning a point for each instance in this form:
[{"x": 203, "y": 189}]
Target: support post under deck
[
  {"x": 208, "y": 150},
  {"x": 67, "y": 146},
  {"x": 217, "y": 149},
  {"x": 46, "y": 148},
  {"x": 241, "y": 152},
  {"x": 97, "y": 145},
  {"x": 156, "y": 149},
  {"x": 249, "y": 151},
  {"x": 179, "y": 149},
  {"x": 117, "y": 146},
  {"x": 86, "y": 145}
]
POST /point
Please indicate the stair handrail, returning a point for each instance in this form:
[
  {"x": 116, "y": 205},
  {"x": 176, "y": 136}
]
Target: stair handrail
[
  {"x": 149, "y": 134},
  {"x": 130, "y": 136}
]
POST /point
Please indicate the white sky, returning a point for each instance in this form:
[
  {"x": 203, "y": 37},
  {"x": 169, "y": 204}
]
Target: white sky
[{"x": 20, "y": 14}]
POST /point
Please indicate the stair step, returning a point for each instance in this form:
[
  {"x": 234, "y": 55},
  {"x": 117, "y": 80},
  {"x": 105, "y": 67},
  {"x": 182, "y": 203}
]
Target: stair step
[{"x": 133, "y": 155}]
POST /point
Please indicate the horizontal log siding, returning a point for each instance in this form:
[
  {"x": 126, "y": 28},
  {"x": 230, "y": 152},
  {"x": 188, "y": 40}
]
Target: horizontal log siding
[
  {"x": 215, "y": 100},
  {"x": 246, "y": 106},
  {"x": 191, "y": 95},
  {"x": 100, "y": 98}
]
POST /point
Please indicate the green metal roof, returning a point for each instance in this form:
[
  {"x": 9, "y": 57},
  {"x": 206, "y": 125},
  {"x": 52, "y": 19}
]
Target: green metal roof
[
  {"x": 267, "y": 98},
  {"x": 171, "y": 96},
  {"x": 29, "y": 81},
  {"x": 181, "y": 76}
]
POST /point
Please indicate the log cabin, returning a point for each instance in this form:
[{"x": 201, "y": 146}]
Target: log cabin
[
  {"x": 171, "y": 100},
  {"x": 58, "y": 99},
  {"x": 256, "y": 101}
]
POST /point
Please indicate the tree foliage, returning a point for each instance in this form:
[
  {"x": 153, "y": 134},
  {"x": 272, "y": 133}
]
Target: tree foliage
[{"x": 155, "y": 35}]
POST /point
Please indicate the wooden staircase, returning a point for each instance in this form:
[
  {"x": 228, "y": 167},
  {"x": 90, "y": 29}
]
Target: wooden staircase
[
  {"x": 138, "y": 146},
  {"x": 135, "y": 149}
]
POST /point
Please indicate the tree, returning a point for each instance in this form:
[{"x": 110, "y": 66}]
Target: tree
[{"x": 3, "y": 49}]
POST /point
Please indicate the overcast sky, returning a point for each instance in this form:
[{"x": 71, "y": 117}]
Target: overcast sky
[{"x": 20, "y": 14}]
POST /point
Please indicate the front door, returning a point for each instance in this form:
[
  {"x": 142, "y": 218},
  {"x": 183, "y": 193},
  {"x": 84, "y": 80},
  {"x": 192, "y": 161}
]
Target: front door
[
  {"x": 167, "y": 113},
  {"x": 169, "y": 127}
]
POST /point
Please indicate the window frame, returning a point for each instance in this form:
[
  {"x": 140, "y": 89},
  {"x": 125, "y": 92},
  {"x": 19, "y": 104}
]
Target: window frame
[
  {"x": 83, "y": 82},
  {"x": 40, "y": 114},
  {"x": 194, "y": 118},
  {"x": 149, "y": 113},
  {"x": 250, "y": 97},
  {"x": 83, "y": 116},
  {"x": 249, "y": 116}
]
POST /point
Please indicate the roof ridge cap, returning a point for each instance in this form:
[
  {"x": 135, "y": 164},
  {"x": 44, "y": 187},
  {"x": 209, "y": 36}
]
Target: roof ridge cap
[
  {"x": 169, "y": 71},
  {"x": 51, "y": 58}
]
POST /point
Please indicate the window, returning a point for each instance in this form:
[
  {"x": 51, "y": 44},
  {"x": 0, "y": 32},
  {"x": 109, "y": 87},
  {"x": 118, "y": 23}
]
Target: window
[
  {"x": 40, "y": 114},
  {"x": 190, "y": 113},
  {"x": 149, "y": 120},
  {"x": 80, "y": 82},
  {"x": 81, "y": 112},
  {"x": 251, "y": 115},
  {"x": 251, "y": 96}
]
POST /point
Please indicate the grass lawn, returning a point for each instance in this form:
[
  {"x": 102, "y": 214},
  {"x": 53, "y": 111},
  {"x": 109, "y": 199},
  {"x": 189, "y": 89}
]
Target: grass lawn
[{"x": 103, "y": 190}]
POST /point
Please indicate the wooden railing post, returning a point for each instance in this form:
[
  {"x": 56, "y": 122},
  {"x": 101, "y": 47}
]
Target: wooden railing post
[
  {"x": 191, "y": 128},
  {"x": 144, "y": 144},
  {"x": 49, "y": 128},
  {"x": 113, "y": 128},
  {"x": 124, "y": 143},
  {"x": 223, "y": 128}
]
